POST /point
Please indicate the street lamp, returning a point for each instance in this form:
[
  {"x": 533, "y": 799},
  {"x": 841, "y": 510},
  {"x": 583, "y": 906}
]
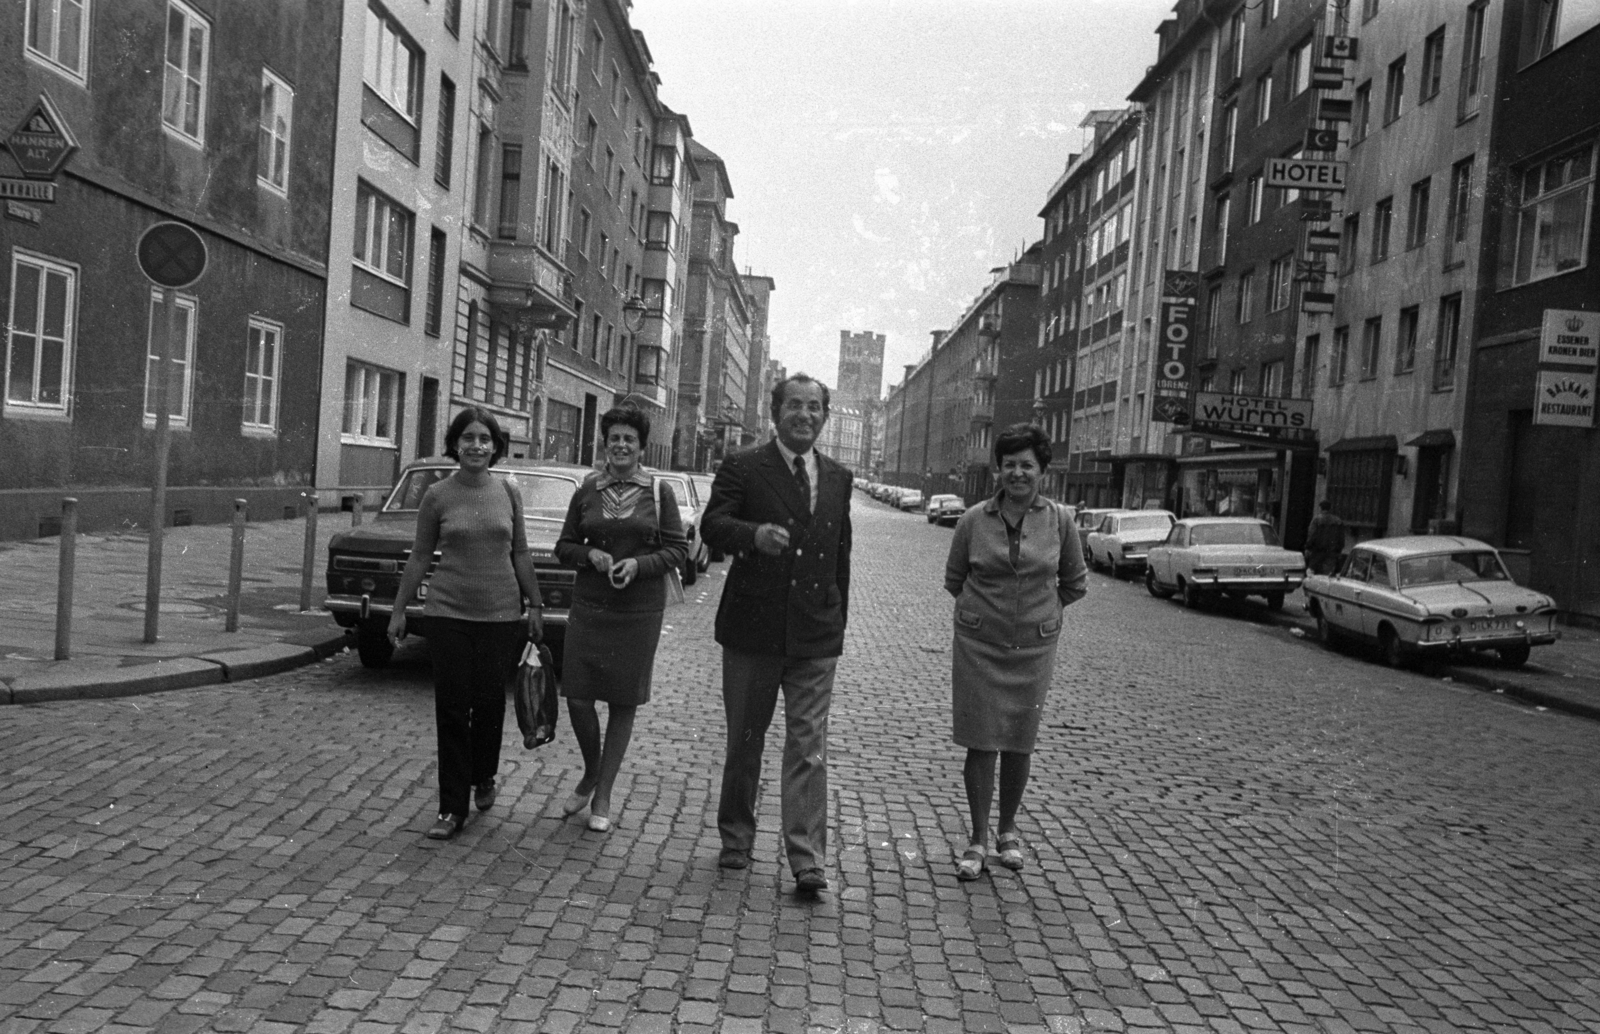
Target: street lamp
[{"x": 633, "y": 313}]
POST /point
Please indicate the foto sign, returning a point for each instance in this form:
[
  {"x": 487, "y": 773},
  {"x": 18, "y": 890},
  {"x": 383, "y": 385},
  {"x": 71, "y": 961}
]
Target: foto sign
[
  {"x": 1570, "y": 336},
  {"x": 1176, "y": 341},
  {"x": 1253, "y": 416},
  {"x": 1564, "y": 399},
  {"x": 1305, "y": 174}
]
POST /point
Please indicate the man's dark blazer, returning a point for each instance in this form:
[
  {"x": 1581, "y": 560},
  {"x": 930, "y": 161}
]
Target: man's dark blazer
[{"x": 793, "y": 604}]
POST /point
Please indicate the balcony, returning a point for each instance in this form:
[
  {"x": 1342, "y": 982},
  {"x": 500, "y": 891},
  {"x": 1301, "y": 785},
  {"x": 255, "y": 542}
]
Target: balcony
[
  {"x": 525, "y": 278},
  {"x": 985, "y": 368},
  {"x": 982, "y": 410}
]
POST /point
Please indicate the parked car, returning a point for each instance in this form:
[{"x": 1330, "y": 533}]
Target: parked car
[
  {"x": 1206, "y": 557},
  {"x": 690, "y": 507},
  {"x": 1087, "y": 520},
  {"x": 365, "y": 562},
  {"x": 702, "y": 486},
  {"x": 1430, "y": 595},
  {"x": 1124, "y": 537},
  {"x": 945, "y": 509},
  {"x": 909, "y": 499}
]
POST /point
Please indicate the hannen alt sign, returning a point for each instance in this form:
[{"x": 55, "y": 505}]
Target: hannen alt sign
[{"x": 41, "y": 143}]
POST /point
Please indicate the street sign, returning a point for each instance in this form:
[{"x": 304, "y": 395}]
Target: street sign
[
  {"x": 42, "y": 143},
  {"x": 1327, "y": 77},
  {"x": 1331, "y": 109},
  {"x": 1322, "y": 139},
  {"x": 1341, "y": 48},
  {"x": 172, "y": 255},
  {"x": 1564, "y": 399},
  {"x": 1171, "y": 410},
  {"x": 1305, "y": 174},
  {"x": 1322, "y": 241},
  {"x": 1570, "y": 336},
  {"x": 1316, "y": 301},
  {"x": 27, "y": 190}
]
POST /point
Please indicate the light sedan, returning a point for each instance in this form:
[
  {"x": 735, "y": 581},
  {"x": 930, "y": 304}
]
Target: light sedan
[
  {"x": 1428, "y": 595},
  {"x": 1123, "y": 539},
  {"x": 1207, "y": 557}
]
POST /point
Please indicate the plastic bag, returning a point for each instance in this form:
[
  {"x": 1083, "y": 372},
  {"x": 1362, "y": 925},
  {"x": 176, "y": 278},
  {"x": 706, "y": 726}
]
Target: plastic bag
[{"x": 537, "y": 696}]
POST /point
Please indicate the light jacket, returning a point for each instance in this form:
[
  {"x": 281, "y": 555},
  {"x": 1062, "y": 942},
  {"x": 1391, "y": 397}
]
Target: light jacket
[{"x": 1014, "y": 605}]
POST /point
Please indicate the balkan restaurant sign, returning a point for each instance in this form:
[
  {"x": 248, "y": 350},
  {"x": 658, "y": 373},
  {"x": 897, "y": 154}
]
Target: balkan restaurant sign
[
  {"x": 1568, "y": 338},
  {"x": 1253, "y": 418}
]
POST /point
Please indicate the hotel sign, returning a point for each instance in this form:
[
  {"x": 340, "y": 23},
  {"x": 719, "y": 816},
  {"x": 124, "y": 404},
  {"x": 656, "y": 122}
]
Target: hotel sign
[
  {"x": 1570, "y": 337},
  {"x": 1253, "y": 417},
  {"x": 1305, "y": 174}
]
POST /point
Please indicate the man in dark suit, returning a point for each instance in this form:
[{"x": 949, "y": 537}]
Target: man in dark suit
[{"x": 783, "y": 512}]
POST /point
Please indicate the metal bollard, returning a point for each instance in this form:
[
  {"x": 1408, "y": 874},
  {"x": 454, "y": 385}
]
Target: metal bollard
[
  {"x": 309, "y": 557},
  {"x": 356, "y": 506},
  {"x": 64, "y": 577},
  {"x": 236, "y": 565}
]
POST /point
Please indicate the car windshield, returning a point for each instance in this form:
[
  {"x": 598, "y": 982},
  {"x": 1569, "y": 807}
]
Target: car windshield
[
  {"x": 1242, "y": 534},
  {"x": 1153, "y": 522},
  {"x": 407, "y": 495},
  {"x": 1479, "y": 565},
  {"x": 543, "y": 495},
  {"x": 680, "y": 491}
]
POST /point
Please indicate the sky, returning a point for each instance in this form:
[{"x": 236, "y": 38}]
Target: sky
[{"x": 886, "y": 155}]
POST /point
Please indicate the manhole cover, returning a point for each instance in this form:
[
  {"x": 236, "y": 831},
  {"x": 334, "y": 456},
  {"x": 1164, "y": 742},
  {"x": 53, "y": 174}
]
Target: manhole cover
[{"x": 172, "y": 607}]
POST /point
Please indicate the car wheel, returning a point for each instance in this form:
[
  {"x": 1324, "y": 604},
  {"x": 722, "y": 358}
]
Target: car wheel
[
  {"x": 372, "y": 644},
  {"x": 1389, "y": 645},
  {"x": 1193, "y": 598},
  {"x": 1328, "y": 634},
  {"x": 1514, "y": 656},
  {"x": 690, "y": 572},
  {"x": 1274, "y": 601},
  {"x": 1155, "y": 588}
]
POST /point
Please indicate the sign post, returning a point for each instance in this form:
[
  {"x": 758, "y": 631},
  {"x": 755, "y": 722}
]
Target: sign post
[{"x": 173, "y": 256}]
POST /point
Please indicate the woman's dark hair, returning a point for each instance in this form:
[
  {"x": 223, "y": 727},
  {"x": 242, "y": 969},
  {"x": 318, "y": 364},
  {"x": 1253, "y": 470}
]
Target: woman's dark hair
[
  {"x": 1020, "y": 437},
  {"x": 629, "y": 417},
  {"x": 502, "y": 441},
  {"x": 780, "y": 391}
]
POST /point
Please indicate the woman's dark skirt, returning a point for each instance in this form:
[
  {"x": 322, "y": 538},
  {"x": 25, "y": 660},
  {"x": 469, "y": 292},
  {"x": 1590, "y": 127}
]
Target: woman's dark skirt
[
  {"x": 997, "y": 693},
  {"x": 608, "y": 655}
]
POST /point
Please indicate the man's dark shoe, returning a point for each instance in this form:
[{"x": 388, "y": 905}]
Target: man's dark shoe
[
  {"x": 810, "y": 881},
  {"x": 734, "y": 858},
  {"x": 483, "y": 795}
]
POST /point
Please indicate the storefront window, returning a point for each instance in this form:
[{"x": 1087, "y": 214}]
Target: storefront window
[{"x": 1232, "y": 492}]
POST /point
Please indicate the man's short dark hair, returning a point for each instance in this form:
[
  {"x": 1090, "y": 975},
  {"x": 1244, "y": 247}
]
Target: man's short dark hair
[
  {"x": 1019, "y": 437},
  {"x": 629, "y": 417},
  {"x": 452, "y": 437},
  {"x": 780, "y": 391}
]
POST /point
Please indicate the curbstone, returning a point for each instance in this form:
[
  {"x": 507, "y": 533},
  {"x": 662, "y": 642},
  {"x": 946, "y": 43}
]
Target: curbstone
[
  {"x": 159, "y": 677},
  {"x": 238, "y": 665}
]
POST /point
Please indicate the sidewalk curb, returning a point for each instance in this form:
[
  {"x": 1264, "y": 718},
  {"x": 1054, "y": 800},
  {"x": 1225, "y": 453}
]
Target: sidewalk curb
[{"x": 176, "y": 673}]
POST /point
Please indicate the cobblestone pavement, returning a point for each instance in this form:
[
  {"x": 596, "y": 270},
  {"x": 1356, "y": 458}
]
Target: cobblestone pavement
[{"x": 1229, "y": 829}]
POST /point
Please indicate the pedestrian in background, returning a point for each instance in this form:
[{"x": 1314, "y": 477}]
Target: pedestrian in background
[
  {"x": 483, "y": 604},
  {"x": 1015, "y": 561},
  {"x": 1324, "y": 540},
  {"x": 782, "y": 511},
  {"x": 622, "y": 548}
]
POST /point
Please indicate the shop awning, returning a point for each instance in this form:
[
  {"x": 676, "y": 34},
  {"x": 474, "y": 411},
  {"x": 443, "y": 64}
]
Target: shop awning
[
  {"x": 1142, "y": 457},
  {"x": 1445, "y": 439},
  {"x": 1372, "y": 443}
]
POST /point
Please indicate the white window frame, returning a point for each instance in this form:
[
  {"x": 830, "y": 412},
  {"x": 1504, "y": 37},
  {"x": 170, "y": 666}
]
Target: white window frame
[
  {"x": 192, "y": 19},
  {"x": 268, "y": 138},
  {"x": 1529, "y": 217},
  {"x": 51, "y": 59},
  {"x": 376, "y": 240},
  {"x": 386, "y": 41},
  {"x": 157, "y": 327},
  {"x": 365, "y": 405},
  {"x": 261, "y": 384},
  {"x": 32, "y": 407}
]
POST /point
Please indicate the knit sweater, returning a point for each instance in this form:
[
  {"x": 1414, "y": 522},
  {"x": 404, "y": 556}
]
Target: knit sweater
[
  {"x": 632, "y": 535},
  {"x": 476, "y": 531}
]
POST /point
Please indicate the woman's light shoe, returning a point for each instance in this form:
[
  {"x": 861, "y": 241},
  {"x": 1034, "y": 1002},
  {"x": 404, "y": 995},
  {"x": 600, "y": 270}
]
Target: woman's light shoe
[
  {"x": 1010, "y": 845},
  {"x": 972, "y": 864},
  {"x": 575, "y": 803},
  {"x": 600, "y": 823}
]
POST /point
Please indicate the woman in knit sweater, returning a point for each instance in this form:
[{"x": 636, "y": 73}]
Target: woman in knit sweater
[
  {"x": 623, "y": 548},
  {"x": 483, "y": 602}
]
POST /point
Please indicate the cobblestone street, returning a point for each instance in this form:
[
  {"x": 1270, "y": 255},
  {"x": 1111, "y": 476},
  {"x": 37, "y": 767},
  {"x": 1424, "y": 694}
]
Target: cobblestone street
[{"x": 1229, "y": 829}]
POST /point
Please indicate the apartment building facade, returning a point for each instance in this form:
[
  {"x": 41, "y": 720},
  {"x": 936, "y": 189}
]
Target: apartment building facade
[
  {"x": 214, "y": 115},
  {"x": 758, "y": 387}
]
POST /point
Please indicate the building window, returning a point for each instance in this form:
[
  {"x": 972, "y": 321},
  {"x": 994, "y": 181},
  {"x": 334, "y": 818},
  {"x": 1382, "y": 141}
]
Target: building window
[
  {"x": 43, "y": 335},
  {"x": 1224, "y": 212},
  {"x": 1247, "y": 288},
  {"x": 1235, "y": 58},
  {"x": 371, "y": 402},
  {"x": 1263, "y": 98},
  {"x": 483, "y": 189},
  {"x": 446, "y": 137},
  {"x": 1236, "y": 382},
  {"x": 1553, "y": 223},
  {"x": 1417, "y": 214},
  {"x": 1361, "y": 112},
  {"x": 1339, "y": 360},
  {"x": 1358, "y": 486},
  {"x": 584, "y": 223},
  {"x": 272, "y": 137},
  {"x": 616, "y": 88},
  {"x": 1472, "y": 44},
  {"x": 1308, "y": 368},
  {"x": 1459, "y": 211},
  {"x": 452, "y": 17},
  {"x": 1279, "y": 277},
  {"x": 1554, "y": 24},
  {"x": 393, "y": 65},
  {"x": 1432, "y": 63},
  {"x": 1300, "y": 68},
  {"x": 1272, "y": 379},
  {"x": 1395, "y": 90},
  {"x": 1213, "y": 321},
  {"x": 561, "y": 59},
  {"x": 382, "y": 281},
  {"x": 1449, "y": 343},
  {"x": 517, "y": 52},
  {"x": 554, "y": 189},
  {"x": 180, "y": 360},
  {"x": 1382, "y": 224},
  {"x": 183, "y": 103},
  {"x": 58, "y": 35},
  {"x": 1371, "y": 346},
  {"x": 433, "y": 314},
  {"x": 1405, "y": 344},
  {"x": 510, "y": 190},
  {"x": 1348, "y": 243},
  {"x": 1369, "y": 10},
  {"x": 261, "y": 357},
  {"x": 1253, "y": 195},
  {"x": 1230, "y": 133}
]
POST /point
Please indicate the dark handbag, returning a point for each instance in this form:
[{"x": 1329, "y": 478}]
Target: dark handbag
[{"x": 536, "y": 692}]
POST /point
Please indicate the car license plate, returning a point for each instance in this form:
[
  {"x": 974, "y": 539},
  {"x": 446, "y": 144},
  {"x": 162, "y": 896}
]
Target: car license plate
[
  {"x": 1492, "y": 625},
  {"x": 1256, "y": 571}
]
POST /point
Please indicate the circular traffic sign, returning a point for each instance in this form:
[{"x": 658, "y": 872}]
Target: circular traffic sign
[{"x": 172, "y": 254}]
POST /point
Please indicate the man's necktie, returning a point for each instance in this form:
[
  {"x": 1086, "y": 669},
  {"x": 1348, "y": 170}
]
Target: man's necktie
[{"x": 803, "y": 479}]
